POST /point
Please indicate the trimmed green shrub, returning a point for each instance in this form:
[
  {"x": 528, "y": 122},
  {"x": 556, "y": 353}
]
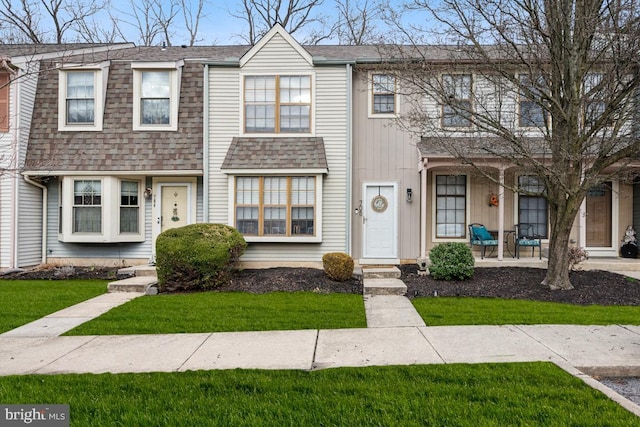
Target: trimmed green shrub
[
  {"x": 197, "y": 256},
  {"x": 337, "y": 266},
  {"x": 451, "y": 261}
]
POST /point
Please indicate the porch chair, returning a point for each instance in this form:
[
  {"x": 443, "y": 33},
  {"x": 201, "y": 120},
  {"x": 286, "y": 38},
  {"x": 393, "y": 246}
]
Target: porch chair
[
  {"x": 480, "y": 236},
  {"x": 526, "y": 237}
]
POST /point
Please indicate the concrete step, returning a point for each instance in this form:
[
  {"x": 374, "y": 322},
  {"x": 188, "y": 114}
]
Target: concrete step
[
  {"x": 391, "y": 272},
  {"x": 140, "y": 284},
  {"x": 138, "y": 270},
  {"x": 381, "y": 286}
]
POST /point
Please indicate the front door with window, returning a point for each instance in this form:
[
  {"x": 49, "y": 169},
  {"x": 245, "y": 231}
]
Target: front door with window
[
  {"x": 380, "y": 222},
  {"x": 598, "y": 221},
  {"x": 172, "y": 206}
]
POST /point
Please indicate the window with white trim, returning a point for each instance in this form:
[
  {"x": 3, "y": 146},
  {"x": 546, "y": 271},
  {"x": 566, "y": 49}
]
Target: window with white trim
[
  {"x": 383, "y": 94},
  {"x": 595, "y": 93},
  {"x": 276, "y": 206},
  {"x": 530, "y": 112},
  {"x": 457, "y": 109},
  {"x": 451, "y": 206},
  {"x": 532, "y": 206},
  {"x": 156, "y": 93},
  {"x": 81, "y": 97},
  {"x": 277, "y": 104},
  {"x": 100, "y": 210}
]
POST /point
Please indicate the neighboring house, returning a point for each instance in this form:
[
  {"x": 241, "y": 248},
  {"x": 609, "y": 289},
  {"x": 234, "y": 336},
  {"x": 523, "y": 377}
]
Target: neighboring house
[
  {"x": 20, "y": 202},
  {"x": 296, "y": 146}
]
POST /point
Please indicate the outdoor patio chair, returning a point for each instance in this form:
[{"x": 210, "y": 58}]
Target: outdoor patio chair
[
  {"x": 526, "y": 237},
  {"x": 480, "y": 236}
]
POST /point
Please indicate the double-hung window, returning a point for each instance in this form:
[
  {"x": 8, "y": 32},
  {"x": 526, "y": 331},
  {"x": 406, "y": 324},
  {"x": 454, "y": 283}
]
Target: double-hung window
[
  {"x": 532, "y": 206},
  {"x": 595, "y": 94},
  {"x": 451, "y": 206},
  {"x": 87, "y": 206},
  {"x": 156, "y": 92},
  {"x": 383, "y": 94},
  {"x": 277, "y": 104},
  {"x": 4, "y": 101},
  {"x": 531, "y": 113},
  {"x": 276, "y": 206},
  {"x": 457, "y": 105},
  {"x": 81, "y": 97},
  {"x": 104, "y": 209}
]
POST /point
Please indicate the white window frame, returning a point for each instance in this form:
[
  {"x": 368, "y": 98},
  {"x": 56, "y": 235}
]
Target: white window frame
[
  {"x": 370, "y": 97},
  {"x": 110, "y": 204},
  {"x": 175, "y": 76},
  {"x": 278, "y": 104},
  {"x": 316, "y": 238},
  {"x": 100, "y": 75},
  {"x": 434, "y": 199},
  {"x": 454, "y": 77}
]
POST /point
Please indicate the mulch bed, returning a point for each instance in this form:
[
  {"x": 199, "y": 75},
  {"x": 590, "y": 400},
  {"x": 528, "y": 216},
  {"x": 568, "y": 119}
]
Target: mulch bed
[{"x": 590, "y": 287}]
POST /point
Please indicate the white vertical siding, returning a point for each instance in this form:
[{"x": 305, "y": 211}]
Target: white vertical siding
[
  {"x": 278, "y": 57},
  {"x": 7, "y": 177}
]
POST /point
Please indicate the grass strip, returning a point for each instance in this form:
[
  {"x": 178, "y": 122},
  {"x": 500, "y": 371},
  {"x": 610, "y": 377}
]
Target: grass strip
[
  {"x": 526, "y": 394},
  {"x": 448, "y": 311},
  {"x": 229, "y": 312},
  {"x": 23, "y": 301}
]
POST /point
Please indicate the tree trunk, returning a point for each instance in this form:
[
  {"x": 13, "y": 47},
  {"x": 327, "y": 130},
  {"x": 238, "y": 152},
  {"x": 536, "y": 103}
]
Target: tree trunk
[{"x": 562, "y": 219}]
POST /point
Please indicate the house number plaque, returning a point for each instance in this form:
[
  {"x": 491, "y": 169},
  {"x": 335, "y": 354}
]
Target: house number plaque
[{"x": 379, "y": 204}]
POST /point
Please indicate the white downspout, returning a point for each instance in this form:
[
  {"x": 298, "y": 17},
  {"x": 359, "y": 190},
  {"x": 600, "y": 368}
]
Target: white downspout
[
  {"x": 15, "y": 158},
  {"x": 44, "y": 215},
  {"x": 349, "y": 192},
  {"x": 205, "y": 147}
]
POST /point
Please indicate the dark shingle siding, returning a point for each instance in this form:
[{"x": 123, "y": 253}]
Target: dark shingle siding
[{"x": 118, "y": 147}]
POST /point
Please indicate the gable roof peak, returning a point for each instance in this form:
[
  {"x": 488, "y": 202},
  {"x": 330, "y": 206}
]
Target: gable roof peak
[{"x": 277, "y": 29}]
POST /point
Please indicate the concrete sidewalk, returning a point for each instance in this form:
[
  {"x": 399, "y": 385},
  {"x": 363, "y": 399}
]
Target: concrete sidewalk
[{"x": 396, "y": 336}]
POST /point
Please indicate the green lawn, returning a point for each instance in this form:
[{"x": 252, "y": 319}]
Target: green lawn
[
  {"x": 447, "y": 311},
  {"x": 228, "y": 312},
  {"x": 23, "y": 301},
  {"x": 528, "y": 394}
]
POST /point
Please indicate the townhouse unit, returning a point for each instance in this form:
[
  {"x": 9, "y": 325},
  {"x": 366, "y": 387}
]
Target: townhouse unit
[{"x": 298, "y": 147}]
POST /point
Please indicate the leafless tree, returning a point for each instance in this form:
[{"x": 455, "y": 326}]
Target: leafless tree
[
  {"x": 41, "y": 21},
  {"x": 358, "y": 22},
  {"x": 575, "y": 63},
  {"x": 293, "y": 15}
]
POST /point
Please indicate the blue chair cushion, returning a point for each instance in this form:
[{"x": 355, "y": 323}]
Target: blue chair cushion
[
  {"x": 528, "y": 242},
  {"x": 482, "y": 233}
]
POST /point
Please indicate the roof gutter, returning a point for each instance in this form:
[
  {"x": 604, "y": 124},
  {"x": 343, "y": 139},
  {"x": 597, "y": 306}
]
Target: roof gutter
[{"x": 45, "y": 194}]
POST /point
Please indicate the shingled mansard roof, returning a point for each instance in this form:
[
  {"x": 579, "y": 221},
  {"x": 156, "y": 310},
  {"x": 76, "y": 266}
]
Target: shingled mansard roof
[
  {"x": 276, "y": 153},
  {"x": 117, "y": 148}
]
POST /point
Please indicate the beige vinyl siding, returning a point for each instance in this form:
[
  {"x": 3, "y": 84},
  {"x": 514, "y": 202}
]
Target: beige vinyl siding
[
  {"x": 329, "y": 111},
  {"x": 384, "y": 153}
]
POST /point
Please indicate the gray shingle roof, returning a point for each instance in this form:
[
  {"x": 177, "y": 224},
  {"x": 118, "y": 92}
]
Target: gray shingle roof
[
  {"x": 117, "y": 147},
  {"x": 276, "y": 153}
]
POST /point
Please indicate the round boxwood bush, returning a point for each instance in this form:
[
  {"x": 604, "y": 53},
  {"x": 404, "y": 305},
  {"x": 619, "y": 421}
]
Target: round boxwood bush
[
  {"x": 451, "y": 261},
  {"x": 337, "y": 266},
  {"x": 197, "y": 256}
]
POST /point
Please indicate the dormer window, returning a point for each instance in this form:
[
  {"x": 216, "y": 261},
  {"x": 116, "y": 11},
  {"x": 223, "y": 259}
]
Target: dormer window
[
  {"x": 156, "y": 92},
  {"x": 81, "y": 97}
]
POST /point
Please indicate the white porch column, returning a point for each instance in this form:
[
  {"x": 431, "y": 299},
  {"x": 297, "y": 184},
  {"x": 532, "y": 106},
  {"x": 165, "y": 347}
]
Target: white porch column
[{"x": 423, "y": 209}]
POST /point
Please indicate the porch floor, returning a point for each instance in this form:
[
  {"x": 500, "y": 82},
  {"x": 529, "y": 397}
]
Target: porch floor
[{"x": 609, "y": 264}]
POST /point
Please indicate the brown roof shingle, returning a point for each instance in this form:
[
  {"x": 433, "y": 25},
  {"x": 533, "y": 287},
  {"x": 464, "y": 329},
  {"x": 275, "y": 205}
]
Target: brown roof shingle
[{"x": 276, "y": 153}]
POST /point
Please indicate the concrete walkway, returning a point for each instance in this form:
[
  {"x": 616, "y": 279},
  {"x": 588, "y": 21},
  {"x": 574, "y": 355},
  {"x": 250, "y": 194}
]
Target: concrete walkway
[{"x": 396, "y": 335}]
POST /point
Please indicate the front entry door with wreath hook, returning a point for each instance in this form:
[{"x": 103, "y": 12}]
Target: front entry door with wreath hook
[
  {"x": 380, "y": 238},
  {"x": 174, "y": 208}
]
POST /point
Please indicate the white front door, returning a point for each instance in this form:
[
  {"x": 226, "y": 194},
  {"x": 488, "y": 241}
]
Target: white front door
[
  {"x": 380, "y": 222},
  {"x": 172, "y": 207}
]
